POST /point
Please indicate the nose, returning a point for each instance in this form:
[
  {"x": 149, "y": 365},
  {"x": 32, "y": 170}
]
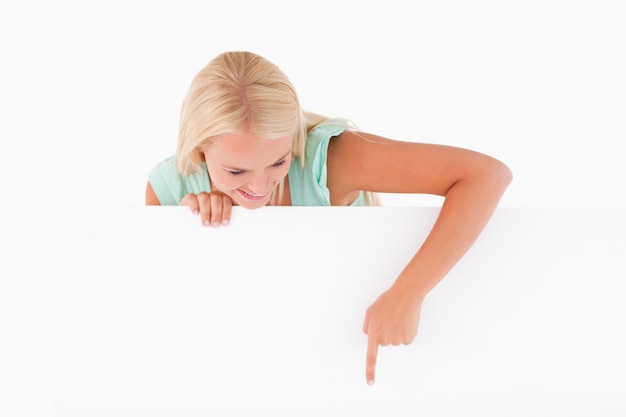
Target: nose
[{"x": 260, "y": 184}]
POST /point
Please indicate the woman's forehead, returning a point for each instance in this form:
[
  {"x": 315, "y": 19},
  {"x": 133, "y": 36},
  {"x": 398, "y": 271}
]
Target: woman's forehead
[{"x": 247, "y": 148}]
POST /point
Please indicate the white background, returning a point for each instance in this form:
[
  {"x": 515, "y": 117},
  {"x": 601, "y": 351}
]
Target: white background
[{"x": 90, "y": 91}]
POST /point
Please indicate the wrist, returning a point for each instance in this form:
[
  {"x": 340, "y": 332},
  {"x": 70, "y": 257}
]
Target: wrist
[{"x": 411, "y": 288}]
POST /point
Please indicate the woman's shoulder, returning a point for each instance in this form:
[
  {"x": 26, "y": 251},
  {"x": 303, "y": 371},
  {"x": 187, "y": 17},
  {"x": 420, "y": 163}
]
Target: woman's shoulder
[
  {"x": 309, "y": 180},
  {"x": 318, "y": 140}
]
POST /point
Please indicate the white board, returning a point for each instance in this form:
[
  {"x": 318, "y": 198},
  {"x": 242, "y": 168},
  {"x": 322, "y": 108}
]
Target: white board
[{"x": 133, "y": 311}]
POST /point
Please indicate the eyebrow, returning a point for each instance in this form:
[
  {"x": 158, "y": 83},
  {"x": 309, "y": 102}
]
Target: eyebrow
[{"x": 243, "y": 169}]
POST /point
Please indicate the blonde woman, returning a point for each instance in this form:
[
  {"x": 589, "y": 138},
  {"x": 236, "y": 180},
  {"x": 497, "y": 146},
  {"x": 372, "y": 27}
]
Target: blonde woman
[{"x": 244, "y": 140}]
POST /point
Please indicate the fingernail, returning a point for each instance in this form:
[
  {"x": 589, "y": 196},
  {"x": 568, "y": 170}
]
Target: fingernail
[
  {"x": 216, "y": 224},
  {"x": 207, "y": 223},
  {"x": 225, "y": 222},
  {"x": 370, "y": 382}
]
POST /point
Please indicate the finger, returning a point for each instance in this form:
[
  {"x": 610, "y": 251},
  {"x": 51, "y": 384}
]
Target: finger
[
  {"x": 192, "y": 201},
  {"x": 370, "y": 361},
  {"x": 227, "y": 207},
  {"x": 366, "y": 323},
  {"x": 204, "y": 203},
  {"x": 216, "y": 210}
]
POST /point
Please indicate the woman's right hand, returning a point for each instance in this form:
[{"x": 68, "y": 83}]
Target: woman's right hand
[{"x": 214, "y": 207}]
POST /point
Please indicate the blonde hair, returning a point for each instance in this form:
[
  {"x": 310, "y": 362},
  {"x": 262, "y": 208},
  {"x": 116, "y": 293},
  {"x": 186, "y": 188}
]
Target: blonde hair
[{"x": 242, "y": 91}]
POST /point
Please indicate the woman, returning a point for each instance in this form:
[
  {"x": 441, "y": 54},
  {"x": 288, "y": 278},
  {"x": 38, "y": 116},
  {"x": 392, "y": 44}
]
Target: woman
[{"x": 244, "y": 140}]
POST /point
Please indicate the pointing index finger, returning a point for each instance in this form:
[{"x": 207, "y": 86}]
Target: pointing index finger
[{"x": 370, "y": 361}]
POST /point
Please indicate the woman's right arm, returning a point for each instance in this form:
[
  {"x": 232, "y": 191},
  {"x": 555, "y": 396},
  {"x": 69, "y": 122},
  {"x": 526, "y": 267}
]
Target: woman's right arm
[{"x": 214, "y": 208}]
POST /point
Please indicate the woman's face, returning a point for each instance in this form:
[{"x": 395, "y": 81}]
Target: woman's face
[{"x": 247, "y": 168}]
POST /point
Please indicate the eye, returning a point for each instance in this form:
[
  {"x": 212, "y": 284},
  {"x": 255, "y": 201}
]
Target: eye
[
  {"x": 235, "y": 172},
  {"x": 281, "y": 163}
]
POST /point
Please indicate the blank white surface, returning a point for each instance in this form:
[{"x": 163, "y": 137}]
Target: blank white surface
[{"x": 140, "y": 311}]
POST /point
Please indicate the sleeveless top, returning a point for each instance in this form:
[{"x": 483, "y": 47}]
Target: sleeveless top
[{"x": 307, "y": 184}]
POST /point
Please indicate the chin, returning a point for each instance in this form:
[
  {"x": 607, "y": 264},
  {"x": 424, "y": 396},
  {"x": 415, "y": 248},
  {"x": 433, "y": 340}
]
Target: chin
[{"x": 252, "y": 205}]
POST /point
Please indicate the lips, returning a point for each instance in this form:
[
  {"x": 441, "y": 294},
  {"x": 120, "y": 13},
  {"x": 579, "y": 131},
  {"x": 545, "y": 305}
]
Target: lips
[{"x": 250, "y": 196}]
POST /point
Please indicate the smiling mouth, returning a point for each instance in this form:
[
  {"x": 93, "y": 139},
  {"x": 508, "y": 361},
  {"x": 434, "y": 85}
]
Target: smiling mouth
[{"x": 250, "y": 196}]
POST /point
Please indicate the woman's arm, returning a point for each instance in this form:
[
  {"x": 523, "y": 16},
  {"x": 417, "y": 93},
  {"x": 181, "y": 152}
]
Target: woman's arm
[
  {"x": 472, "y": 184},
  {"x": 151, "y": 198}
]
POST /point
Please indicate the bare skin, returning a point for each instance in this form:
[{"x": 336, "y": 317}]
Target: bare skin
[{"x": 471, "y": 182}]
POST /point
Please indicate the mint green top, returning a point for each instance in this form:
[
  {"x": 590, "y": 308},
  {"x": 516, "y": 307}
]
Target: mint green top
[{"x": 307, "y": 185}]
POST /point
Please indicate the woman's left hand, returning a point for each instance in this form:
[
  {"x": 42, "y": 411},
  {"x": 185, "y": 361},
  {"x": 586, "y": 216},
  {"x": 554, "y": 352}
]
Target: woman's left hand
[{"x": 391, "y": 320}]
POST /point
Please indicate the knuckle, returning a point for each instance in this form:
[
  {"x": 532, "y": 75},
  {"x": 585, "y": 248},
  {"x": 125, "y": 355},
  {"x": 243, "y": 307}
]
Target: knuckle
[{"x": 216, "y": 200}]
